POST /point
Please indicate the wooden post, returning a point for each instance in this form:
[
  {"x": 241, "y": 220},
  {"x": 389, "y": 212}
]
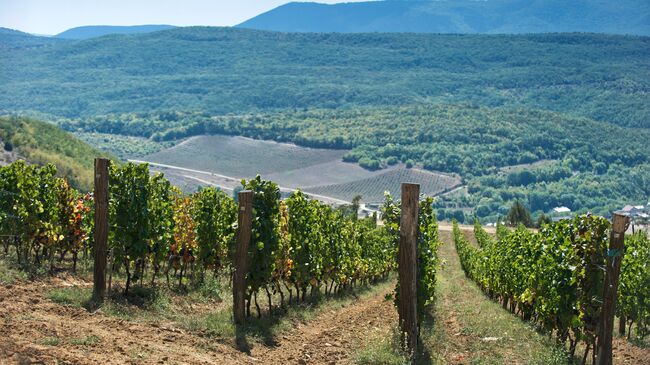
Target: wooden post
[
  {"x": 612, "y": 271},
  {"x": 621, "y": 326},
  {"x": 101, "y": 228},
  {"x": 408, "y": 232},
  {"x": 241, "y": 255}
]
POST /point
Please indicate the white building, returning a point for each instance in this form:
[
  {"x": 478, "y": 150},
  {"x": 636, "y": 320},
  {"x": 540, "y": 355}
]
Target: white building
[{"x": 561, "y": 210}]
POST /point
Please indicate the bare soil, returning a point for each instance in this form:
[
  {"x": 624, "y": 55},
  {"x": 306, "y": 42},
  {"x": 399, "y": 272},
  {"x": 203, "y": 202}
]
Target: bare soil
[
  {"x": 332, "y": 337},
  {"x": 34, "y": 330}
]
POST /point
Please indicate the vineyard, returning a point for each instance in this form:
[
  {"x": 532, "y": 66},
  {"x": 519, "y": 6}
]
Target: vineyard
[
  {"x": 372, "y": 188},
  {"x": 555, "y": 278},
  {"x": 157, "y": 232},
  {"x": 239, "y": 156},
  {"x": 301, "y": 252},
  {"x": 313, "y": 170}
]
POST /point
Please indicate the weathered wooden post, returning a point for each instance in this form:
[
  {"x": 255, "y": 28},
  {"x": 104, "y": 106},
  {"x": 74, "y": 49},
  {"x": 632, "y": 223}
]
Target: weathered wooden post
[
  {"x": 621, "y": 326},
  {"x": 408, "y": 232},
  {"x": 245, "y": 221},
  {"x": 613, "y": 269},
  {"x": 101, "y": 228}
]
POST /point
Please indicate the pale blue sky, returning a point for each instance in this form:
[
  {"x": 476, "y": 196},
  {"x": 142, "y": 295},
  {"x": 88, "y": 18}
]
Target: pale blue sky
[{"x": 55, "y": 16}]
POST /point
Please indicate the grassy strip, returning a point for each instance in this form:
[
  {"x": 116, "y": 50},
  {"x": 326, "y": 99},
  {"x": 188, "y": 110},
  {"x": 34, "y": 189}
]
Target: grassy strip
[
  {"x": 466, "y": 327},
  {"x": 471, "y": 328},
  {"x": 381, "y": 350}
]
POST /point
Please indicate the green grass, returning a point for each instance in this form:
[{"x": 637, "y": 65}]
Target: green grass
[
  {"x": 9, "y": 273},
  {"x": 12, "y": 272},
  {"x": 74, "y": 296},
  {"x": 466, "y": 326},
  {"x": 381, "y": 350},
  {"x": 85, "y": 341},
  {"x": 50, "y": 341},
  {"x": 141, "y": 302}
]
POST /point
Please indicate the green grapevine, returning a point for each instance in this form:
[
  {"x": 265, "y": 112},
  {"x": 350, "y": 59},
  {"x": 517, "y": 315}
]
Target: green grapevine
[
  {"x": 553, "y": 277},
  {"x": 634, "y": 289}
]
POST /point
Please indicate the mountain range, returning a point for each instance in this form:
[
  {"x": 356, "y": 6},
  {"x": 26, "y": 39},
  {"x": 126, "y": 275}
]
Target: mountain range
[
  {"x": 460, "y": 16},
  {"x": 92, "y": 31},
  {"x": 432, "y": 16},
  {"x": 572, "y": 108}
]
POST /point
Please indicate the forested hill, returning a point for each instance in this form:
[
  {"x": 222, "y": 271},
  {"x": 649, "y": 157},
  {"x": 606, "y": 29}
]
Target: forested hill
[
  {"x": 41, "y": 143},
  {"x": 92, "y": 31},
  {"x": 11, "y": 40},
  {"x": 460, "y": 16},
  {"x": 229, "y": 70}
]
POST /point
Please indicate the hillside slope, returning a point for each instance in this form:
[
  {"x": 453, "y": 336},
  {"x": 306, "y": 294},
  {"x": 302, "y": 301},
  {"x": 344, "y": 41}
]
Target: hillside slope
[
  {"x": 226, "y": 70},
  {"x": 460, "y": 16},
  {"x": 12, "y": 40},
  {"x": 41, "y": 143},
  {"x": 587, "y": 165},
  {"x": 92, "y": 31}
]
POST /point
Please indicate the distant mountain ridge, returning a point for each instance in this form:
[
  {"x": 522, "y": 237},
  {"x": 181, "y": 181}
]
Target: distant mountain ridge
[
  {"x": 92, "y": 31},
  {"x": 14, "y": 39},
  {"x": 460, "y": 16}
]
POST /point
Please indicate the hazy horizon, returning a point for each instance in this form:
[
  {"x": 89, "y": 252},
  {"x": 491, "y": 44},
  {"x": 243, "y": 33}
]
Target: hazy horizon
[{"x": 53, "y": 17}]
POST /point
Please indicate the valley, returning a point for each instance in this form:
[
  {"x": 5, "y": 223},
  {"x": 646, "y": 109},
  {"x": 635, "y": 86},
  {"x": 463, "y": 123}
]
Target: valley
[{"x": 382, "y": 182}]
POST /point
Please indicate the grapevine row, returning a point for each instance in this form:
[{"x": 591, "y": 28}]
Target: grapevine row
[
  {"x": 41, "y": 216},
  {"x": 298, "y": 246},
  {"x": 553, "y": 277},
  {"x": 633, "y": 304},
  {"x": 428, "y": 259}
]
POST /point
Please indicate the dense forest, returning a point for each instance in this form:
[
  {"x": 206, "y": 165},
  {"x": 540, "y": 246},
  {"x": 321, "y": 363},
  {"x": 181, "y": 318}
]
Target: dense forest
[{"x": 226, "y": 70}]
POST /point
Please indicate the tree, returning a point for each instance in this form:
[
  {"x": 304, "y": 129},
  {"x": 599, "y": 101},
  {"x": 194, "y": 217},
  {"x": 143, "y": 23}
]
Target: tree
[
  {"x": 542, "y": 220},
  {"x": 519, "y": 214},
  {"x": 356, "y": 203}
]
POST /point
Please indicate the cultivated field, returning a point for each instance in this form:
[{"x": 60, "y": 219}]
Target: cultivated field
[
  {"x": 372, "y": 189},
  {"x": 242, "y": 157},
  {"x": 223, "y": 161}
]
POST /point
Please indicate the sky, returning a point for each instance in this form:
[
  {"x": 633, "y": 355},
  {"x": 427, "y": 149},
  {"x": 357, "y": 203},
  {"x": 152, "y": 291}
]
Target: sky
[{"x": 49, "y": 17}]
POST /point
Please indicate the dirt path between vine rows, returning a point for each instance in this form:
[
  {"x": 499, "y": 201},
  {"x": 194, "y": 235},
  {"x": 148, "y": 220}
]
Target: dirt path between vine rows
[
  {"x": 35, "y": 330},
  {"x": 332, "y": 337}
]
